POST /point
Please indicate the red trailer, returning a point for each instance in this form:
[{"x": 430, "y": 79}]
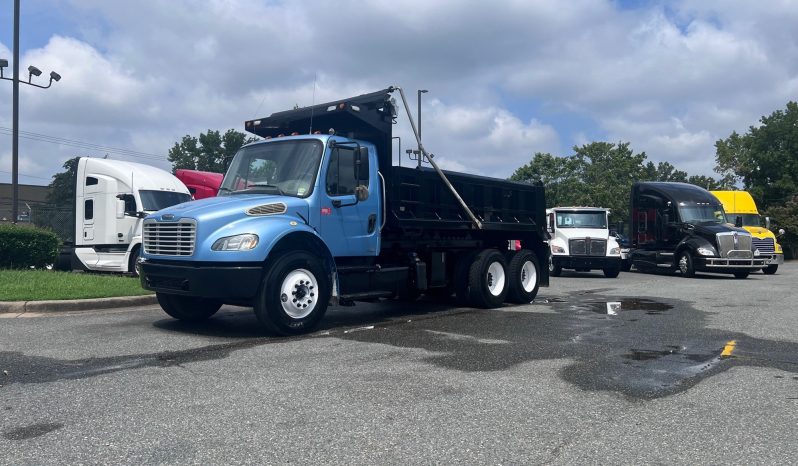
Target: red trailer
[{"x": 200, "y": 184}]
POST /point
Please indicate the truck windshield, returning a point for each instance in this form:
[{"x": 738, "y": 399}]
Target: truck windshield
[
  {"x": 702, "y": 214},
  {"x": 286, "y": 167},
  {"x": 157, "y": 200},
  {"x": 581, "y": 220},
  {"x": 749, "y": 220}
]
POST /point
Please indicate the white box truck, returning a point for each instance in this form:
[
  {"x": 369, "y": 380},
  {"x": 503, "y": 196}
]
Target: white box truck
[
  {"x": 581, "y": 240},
  {"x": 111, "y": 199}
]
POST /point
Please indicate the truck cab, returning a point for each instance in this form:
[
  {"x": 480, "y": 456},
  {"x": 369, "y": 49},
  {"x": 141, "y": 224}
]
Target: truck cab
[
  {"x": 200, "y": 184},
  {"x": 581, "y": 240},
  {"x": 111, "y": 199},
  {"x": 682, "y": 227},
  {"x": 741, "y": 210},
  {"x": 305, "y": 219}
]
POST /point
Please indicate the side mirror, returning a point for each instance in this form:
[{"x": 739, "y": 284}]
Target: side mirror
[
  {"x": 767, "y": 223},
  {"x": 738, "y": 221},
  {"x": 550, "y": 226},
  {"x": 781, "y": 232},
  {"x": 120, "y": 208},
  {"x": 361, "y": 193}
]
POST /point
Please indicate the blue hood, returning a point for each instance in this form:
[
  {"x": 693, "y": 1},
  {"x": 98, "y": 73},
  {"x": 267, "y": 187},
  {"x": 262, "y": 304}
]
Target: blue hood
[{"x": 230, "y": 208}]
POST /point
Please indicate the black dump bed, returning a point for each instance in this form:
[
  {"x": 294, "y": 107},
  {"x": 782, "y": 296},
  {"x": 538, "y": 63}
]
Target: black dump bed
[{"x": 417, "y": 198}]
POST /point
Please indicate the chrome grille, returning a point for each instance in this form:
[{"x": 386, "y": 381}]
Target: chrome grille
[
  {"x": 587, "y": 247},
  {"x": 765, "y": 245},
  {"x": 267, "y": 209},
  {"x": 169, "y": 238},
  {"x": 735, "y": 245}
]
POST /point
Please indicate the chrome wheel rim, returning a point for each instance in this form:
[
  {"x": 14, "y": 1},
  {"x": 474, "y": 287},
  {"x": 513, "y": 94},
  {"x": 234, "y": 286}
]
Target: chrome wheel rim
[
  {"x": 529, "y": 275},
  {"x": 495, "y": 278},
  {"x": 298, "y": 293},
  {"x": 683, "y": 264}
]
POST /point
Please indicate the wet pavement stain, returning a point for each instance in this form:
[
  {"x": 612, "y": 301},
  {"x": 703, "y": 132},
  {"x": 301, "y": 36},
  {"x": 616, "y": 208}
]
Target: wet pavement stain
[
  {"x": 28, "y": 432},
  {"x": 640, "y": 348}
]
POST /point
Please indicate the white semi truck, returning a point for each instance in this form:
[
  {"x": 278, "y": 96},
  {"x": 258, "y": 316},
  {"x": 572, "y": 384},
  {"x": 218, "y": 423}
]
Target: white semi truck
[
  {"x": 581, "y": 240},
  {"x": 111, "y": 199}
]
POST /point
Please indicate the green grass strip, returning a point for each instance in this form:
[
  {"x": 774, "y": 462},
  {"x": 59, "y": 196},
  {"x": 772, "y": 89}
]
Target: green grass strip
[{"x": 45, "y": 285}]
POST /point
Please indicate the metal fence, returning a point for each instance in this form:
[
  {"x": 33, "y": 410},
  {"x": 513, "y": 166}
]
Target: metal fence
[{"x": 58, "y": 218}]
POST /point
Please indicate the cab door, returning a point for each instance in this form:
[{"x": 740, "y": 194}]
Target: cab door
[{"x": 350, "y": 226}]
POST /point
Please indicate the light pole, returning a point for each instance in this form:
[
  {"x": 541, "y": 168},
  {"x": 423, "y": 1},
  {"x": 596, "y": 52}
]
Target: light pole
[
  {"x": 420, "y": 91},
  {"x": 32, "y": 71}
]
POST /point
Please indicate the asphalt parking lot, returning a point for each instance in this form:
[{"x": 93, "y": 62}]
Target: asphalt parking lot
[{"x": 638, "y": 369}]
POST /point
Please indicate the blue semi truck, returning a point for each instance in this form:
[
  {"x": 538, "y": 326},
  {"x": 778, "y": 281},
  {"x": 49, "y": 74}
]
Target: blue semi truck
[{"x": 318, "y": 213}]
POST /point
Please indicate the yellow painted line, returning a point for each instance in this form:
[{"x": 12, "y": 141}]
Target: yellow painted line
[{"x": 728, "y": 349}]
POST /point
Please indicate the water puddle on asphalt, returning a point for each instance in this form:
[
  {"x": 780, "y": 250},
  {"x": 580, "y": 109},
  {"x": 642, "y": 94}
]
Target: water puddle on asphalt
[{"x": 641, "y": 348}]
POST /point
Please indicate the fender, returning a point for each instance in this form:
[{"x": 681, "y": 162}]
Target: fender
[{"x": 307, "y": 239}]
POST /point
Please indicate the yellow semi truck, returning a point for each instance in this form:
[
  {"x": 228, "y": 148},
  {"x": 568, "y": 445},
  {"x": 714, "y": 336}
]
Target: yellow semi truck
[{"x": 741, "y": 210}]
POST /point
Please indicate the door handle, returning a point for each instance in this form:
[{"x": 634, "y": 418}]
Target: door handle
[{"x": 372, "y": 223}]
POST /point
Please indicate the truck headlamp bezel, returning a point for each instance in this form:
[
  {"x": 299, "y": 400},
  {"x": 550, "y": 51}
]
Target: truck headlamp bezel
[
  {"x": 557, "y": 249},
  {"x": 242, "y": 242},
  {"x": 615, "y": 252},
  {"x": 705, "y": 251}
]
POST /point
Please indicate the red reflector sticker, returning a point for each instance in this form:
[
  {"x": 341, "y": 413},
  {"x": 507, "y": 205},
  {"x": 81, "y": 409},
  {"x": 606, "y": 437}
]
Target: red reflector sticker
[{"x": 326, "y": 211}]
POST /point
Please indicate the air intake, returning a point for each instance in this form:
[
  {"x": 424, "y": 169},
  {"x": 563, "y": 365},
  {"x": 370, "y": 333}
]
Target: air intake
[{"x": 267, "y": 209}]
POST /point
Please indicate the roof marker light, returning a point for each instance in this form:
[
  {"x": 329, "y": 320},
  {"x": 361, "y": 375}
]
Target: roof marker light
[
  {"x": 355, "y": 108},
  {"x": 257, "y": 123},
  {"x": 331, "y": 108}
]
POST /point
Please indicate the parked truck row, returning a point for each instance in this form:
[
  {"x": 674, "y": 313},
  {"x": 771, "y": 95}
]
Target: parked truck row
[{"x": 318, "y": 213}]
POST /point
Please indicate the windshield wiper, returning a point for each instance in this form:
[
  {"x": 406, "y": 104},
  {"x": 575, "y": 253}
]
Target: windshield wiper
[{"x": 266, "y": 185}]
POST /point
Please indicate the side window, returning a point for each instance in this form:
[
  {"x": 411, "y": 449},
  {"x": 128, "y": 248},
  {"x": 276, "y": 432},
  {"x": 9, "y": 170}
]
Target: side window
[
  {"x": 91, "y": 181},
  {"x": 88, "y": 209},
  {"x": 341, "y": 172}
]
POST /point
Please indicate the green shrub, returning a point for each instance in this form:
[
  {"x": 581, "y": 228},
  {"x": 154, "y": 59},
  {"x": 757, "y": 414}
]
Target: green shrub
[{"x": 23, "y": 246}]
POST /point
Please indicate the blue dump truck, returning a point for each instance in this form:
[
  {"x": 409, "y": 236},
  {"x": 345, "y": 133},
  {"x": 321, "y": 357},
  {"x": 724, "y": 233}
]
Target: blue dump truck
[{"x": 317, "y": 213}]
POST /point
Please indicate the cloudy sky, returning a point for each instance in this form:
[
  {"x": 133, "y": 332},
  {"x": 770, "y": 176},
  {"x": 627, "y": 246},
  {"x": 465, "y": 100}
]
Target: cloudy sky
[{"x": 506, "y": 78}]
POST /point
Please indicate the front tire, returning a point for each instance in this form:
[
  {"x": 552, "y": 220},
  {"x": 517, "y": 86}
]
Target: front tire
[
  {"x": 771, "y": 269},
  {"x": 294, "y": 294},
  {"x": 487, "y": 280},
  {"x": 132, "y": 264},
  {"x": 187, "y": 308},
  {"x": 741, "y": 274},
  {"x": 612, "y": 272},
  {"x": 555, "y": 270},
  {"x": 685, "y": 264},
  {"x": 523, "y": 277}
]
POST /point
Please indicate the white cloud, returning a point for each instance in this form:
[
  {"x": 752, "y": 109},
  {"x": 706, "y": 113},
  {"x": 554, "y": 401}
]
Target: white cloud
[{"x": 669, "y": 78}]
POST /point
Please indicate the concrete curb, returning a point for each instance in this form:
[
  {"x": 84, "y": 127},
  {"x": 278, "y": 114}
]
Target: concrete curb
[{"x": 68, "y": 305}]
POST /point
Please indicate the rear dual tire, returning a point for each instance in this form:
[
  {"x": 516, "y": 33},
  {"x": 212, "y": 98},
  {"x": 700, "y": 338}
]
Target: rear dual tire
[
  {"x": 524, "y": 277},
  {"x": 483, "y": 281}
]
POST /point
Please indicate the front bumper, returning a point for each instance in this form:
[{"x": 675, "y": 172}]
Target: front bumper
[
  {"x": 586, "y": 262},
  {"x": 231, "y": 282},
  {"x": 717, "y": 264},
  {"x": 775, "y": 259}
]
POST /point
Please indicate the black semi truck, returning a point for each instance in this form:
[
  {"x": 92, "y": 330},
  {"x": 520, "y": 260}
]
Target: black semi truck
[
  {"x": 318, "y": 213},
  {"x": 682, "y": 227}
]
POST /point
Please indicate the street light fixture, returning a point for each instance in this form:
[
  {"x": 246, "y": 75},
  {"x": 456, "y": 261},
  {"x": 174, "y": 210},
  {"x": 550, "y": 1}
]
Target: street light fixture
[{"x": 32, "y": 71}]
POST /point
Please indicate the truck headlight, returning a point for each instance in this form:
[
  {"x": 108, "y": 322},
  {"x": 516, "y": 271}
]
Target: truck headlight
[
  {"x": 706, "y": 251},
  {"x": 557, "y": 249},
  {"x": 243, "y": 242},
  {"x": 615, "y": 251}
]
